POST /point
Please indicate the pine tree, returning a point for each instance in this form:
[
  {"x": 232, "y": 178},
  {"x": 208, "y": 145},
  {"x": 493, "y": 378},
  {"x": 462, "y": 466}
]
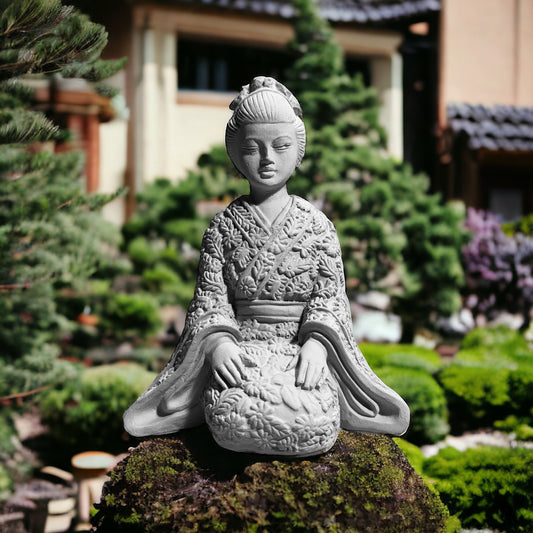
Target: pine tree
[
  {"x": 51, "y": 234},
  {"x": 395, "y": 236}
]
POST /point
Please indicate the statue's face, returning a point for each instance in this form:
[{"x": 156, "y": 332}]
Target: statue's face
[{"x": 267, "y": 154}]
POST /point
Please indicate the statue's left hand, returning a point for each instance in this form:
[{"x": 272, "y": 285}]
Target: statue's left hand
[{"x": 312, "y": 364}]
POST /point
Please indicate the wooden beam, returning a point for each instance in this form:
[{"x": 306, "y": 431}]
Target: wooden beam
[{"x": 258, "y": 30}]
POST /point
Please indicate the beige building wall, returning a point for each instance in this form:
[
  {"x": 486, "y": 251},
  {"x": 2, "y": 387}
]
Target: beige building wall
[
  {"x": 172, "y": 129},
  {"x": 113, "y": 149},
  {"x": 486, "y": 52},
  {"x": 199, "y": 128},
  {"x": 525, "y": 53}
]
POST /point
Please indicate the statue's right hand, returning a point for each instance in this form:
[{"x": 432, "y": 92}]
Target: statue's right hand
[{"x": 226, "y": 364}]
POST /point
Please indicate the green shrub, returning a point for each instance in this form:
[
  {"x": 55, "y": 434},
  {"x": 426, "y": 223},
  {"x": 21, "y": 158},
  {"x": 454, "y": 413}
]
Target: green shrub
[
  {"x": 426, "y": 400},
  {"x": 523, "y": 225},
  {"x": 157, "y": 277},
  {"x": 519, "y": 426},
  {"x": 167, "y": 285},
  {"x": 490, "y": 344},
  {"x": 486, "y": 487},
  {"x": 135, "y": 313},
  {"x": 401, "y": 355},
  {"x": 87, "y": 413},
  {"x": 7, "y": 431},
  {"x": 478, "y": 396},
  {"x": 35, "y": 369},
  {"x": 141, "y": 253},
  {"x": 490, "y": 379},
  {"x": 521, "y": 391}
]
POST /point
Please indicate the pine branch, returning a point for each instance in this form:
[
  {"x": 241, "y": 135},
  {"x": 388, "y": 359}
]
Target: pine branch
[{"x": 24, "y": 126}]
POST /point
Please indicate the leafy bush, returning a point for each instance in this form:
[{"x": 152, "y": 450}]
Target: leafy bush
[
  {"x": 168, "y": 285},
  {"x": 497, "y": 342},
  {"x": 402, "y": 355},
  {"x": 477, "y": 396},
  {"x": 519, "y": 426},
  {"x": 490, "y": 379},
  {"x": 7, "y": 449},
  {"x": 87, "y": 413},
  {"x": 426, "y": 400},
  {"x": 480, "y": 395},
  {"x": 164, "y": 235},
  {"x": 523, "y": 225},
  {"x": 408, "y": 370},
  {"x": 134, "y": 313},
  {"x": 486, "y": 487},
  {"x": 498, "y": 268}
]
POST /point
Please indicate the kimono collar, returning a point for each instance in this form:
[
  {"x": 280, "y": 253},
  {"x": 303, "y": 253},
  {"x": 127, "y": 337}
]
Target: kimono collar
[{"x": 262, "y": 220}]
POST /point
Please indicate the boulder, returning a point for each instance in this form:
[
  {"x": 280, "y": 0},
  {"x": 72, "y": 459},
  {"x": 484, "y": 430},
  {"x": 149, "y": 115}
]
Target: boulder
[{"x": 185, "y": 483}]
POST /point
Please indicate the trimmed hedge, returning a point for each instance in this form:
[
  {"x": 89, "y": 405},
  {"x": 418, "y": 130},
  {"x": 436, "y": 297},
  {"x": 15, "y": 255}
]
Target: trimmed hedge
[
  {"x": 401, "y": 355},
  {"x": 486, "y": 487},
  {"x": 426, "y": 400},
  {"x": 490, "y": 379},
  {"x": 409, "y": 371}
]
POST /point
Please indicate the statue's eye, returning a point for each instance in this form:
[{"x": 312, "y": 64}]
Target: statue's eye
[
  {"x": 281, "y": 147},
  {"x": 249, "y": 149},
  {"x": 281, "y": 144}
]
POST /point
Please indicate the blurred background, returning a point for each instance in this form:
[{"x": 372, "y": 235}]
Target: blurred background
[{"x": 419, "y": 117}]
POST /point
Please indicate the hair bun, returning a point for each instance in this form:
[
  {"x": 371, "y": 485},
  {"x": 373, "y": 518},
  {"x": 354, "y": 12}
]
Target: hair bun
[{"x": 267, "y": 83}]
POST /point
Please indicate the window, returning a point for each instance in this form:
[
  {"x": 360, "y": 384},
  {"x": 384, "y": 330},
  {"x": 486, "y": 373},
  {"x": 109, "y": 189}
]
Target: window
[
  {"x": 222, "y": 67},
  {"x": 213, "y": 66},
  {"x": 506, "y": 202}
]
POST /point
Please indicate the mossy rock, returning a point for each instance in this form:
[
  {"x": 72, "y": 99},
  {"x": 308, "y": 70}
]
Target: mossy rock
[{"x": 186, "y": 483}]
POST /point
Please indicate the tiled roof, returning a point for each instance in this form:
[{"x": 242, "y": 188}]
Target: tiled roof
[
  {"x": 495, "y": 128},
  {"x": 362, "y": 11}
]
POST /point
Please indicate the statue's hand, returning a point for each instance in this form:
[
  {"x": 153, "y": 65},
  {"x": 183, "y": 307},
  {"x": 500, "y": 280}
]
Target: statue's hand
[
  {"x": 312, "y": 364},
  {"x": 226, "y": 364}
]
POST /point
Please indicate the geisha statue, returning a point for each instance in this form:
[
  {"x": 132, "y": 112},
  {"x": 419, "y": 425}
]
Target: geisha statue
[{"x": 267, "y": 357}]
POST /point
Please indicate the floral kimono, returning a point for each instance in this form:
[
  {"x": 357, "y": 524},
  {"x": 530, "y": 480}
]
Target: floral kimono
[{"x": 271, "y": 287}]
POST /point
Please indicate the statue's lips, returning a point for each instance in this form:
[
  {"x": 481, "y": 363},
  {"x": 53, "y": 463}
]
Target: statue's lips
[{"x": 266, "y": 173}]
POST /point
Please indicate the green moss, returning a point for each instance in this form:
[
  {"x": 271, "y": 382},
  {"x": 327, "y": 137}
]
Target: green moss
[
  {"x": 412, "y": 452},
  {"x": 364, "y": 484}
]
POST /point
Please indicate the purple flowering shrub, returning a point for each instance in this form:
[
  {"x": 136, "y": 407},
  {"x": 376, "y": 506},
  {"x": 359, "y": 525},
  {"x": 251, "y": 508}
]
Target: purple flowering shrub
[{"x": 498, "y": 268}]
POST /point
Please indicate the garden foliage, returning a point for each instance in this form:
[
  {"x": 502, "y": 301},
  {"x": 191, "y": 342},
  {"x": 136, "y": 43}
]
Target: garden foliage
[
  {"x": 51, "y": 234},
  {"x": 498, "y": 267},
  {"x": 486, "y": 487},
  {"x": 164, "y": 235},
  {"x": 410, "y": 370},
  {"x": 395, "y": 236},
  {"x": 86, "y": 413},
  {"x": 490, "y": 380}
]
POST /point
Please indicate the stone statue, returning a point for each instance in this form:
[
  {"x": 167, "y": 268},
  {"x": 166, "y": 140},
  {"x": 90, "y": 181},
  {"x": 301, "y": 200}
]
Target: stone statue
[{"x": 267, "y": 356}]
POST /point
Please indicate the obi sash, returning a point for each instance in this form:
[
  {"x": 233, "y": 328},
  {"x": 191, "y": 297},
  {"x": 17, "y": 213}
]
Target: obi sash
[{"x": 269, "y": 311}]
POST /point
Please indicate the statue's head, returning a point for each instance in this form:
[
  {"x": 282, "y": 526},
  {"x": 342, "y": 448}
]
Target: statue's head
[{"x": 264, "y": 101}]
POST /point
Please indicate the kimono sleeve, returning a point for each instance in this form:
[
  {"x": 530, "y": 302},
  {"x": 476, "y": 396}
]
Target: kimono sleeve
[
  {"x": 367, "y": 404},
  {"x": 173, "y": 401}
]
